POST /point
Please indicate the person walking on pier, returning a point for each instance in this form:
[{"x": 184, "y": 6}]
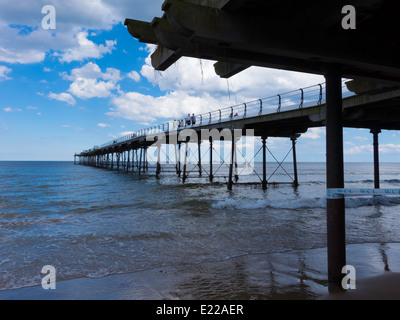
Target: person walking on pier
[
  {"x": 188, "y": 120},
  {"x": 193, "y": 118}
]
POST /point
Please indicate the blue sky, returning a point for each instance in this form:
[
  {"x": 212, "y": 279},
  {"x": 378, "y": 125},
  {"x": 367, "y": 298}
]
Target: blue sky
[{"x": 88, "y": 82}]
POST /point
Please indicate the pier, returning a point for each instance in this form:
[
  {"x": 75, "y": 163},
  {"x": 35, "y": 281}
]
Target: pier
[
  {"x": 286, "y": 115},
  {"x": 302, "y": 36}
]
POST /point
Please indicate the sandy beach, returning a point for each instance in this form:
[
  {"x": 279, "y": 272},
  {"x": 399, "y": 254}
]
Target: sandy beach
[{"x": 291, "y": 275}]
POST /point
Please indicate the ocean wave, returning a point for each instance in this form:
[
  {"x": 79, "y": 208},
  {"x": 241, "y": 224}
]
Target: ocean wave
[{"x": 303, "y": 203}]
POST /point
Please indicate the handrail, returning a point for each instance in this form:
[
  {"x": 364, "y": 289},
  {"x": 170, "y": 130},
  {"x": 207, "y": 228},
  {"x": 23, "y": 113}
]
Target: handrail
[{"x": 310, "y": 96}]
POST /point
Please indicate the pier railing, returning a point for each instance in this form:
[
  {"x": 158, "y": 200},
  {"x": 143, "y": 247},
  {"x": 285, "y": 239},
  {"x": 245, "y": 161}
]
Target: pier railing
[{"x": 296, "y": 99}]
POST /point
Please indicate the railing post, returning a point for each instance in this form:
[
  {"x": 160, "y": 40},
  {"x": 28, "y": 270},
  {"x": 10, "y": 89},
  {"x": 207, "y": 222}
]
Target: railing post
[
  {"x": 302, "y": 99},
  {"x": 279, "y": 103}
]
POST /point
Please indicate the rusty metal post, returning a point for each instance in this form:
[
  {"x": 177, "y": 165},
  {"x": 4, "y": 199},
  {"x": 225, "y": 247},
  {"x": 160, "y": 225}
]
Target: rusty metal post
[
  {"x": 335, "y": 177},
  {"x": 376, "y": 132}
]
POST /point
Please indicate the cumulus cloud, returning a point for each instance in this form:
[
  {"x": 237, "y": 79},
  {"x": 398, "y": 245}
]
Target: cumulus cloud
[
  {"x": 196, "y": 76},
  {"x": 191, "y": 85},
  {"x": 66, "y": 97},
  {"x": 134, "y": 76},
  {"x": 86, "y": 48},
  {"x": 23, "y": 40},
  {"x": 90, "y": 82},
  {"x": 139, "y": 107},
  {"x": 368, "y": 149},
  {"x": 314, "y": 133}
]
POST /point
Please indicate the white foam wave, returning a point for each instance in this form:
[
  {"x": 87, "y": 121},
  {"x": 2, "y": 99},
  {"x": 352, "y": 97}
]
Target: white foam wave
[{"x": 303, "y": 203}]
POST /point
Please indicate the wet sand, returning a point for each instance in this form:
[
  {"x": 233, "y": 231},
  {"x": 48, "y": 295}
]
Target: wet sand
[{"x": 287, "y": 275}]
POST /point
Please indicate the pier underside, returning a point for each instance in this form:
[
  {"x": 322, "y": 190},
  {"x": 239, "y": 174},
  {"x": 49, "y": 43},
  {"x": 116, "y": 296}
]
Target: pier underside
[{"x": 305, "y": 36}]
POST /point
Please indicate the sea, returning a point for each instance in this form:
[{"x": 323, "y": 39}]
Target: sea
[{"x": 192, "y": 240}]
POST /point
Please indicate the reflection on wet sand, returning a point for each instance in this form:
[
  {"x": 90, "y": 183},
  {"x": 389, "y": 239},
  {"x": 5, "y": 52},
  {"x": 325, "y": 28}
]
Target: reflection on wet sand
[{"x": 284, "y": 275}]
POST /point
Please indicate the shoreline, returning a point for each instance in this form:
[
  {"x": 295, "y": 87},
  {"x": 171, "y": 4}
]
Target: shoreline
[{"x": 289, "y": 275}]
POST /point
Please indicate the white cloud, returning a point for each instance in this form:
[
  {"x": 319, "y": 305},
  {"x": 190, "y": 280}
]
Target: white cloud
[
  {"x": 368, "y": 149},
  {"x": 86, "y": 48},
  {"x": 314, "y": 133},
  {"x": 3, "y": 73},
  {"x": 12, "y": 109},
  {"x": 91, "y": 88},
  {"x": 103, "y": 125},
  {"x": 23, "y": 40},
  {"x": 87, "y": 81},
  {"x": 198, "y": 76},
  {"x": 138, "y": 107},
  {"x": 191, "y": 85},
  {"x": 134, "y": 76},
  {"x": 66, "y": 97},
  {"x": 361, "y": 138}
]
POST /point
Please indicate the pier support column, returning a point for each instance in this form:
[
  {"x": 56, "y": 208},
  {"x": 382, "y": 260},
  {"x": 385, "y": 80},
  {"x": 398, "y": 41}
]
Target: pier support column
[
  {"x": 264, "y": 148},
  {"x": 211, "y": 160},
  {"x": 185, "y": 161},
  {"x": 140, "y": 160},
  {"x": 146, "y": 163},
  {"x": 176, "y": 159},
  {"x": 296, "y": 180},
  {"x": 112, "y": 160},
  {"x": 128, "y": 164},
  {"x": 179, "y": 160},
  {"x": 376, "y": 132},
  {"x": 199, "y": 154},
  {"x": 158, "y": 161},
  {"x": 335, "y": 177},
  {"x": 233, "y": 149}
]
